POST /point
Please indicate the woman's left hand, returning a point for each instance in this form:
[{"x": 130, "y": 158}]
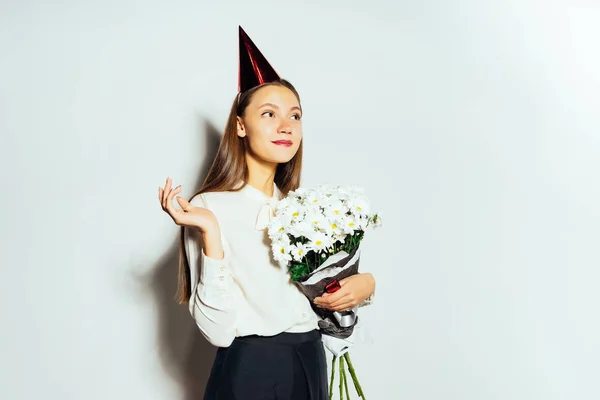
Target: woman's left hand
[{"x": 354, "y": 289}]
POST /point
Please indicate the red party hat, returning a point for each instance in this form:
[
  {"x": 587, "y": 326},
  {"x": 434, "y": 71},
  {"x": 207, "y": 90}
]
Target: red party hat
[{"x": 254, "y": 69}]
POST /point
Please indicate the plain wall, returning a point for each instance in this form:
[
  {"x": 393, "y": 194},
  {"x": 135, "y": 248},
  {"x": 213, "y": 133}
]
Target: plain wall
[{"x": 473, "y": 127}]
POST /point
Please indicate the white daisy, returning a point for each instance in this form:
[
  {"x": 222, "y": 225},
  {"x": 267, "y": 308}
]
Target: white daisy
[
  {"x": 279, "y": 253},
  {"x": 314, "y": 198},
  {"x": 359, "y": 206},
  {"x": 319, "y": 241},
  {"x": 334, "y": 227},
  {"x": 301, "y": 228},
  {"x": 299, "y": 250},
  {"x": 294, "y": 212},
  {"x": 276, "y": 229},
  {"x": 349, "y": 224},
  {"x": 335, "y": 209},
  {"x": 283, "y": 204},
  {"x": 341, "y": 237}
]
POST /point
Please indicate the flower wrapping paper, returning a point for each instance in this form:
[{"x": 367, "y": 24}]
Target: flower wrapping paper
[{"x": 338, "y": 266}]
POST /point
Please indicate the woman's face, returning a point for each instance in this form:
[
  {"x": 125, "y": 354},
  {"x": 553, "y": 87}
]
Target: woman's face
[{"x": 272, "y": 124}]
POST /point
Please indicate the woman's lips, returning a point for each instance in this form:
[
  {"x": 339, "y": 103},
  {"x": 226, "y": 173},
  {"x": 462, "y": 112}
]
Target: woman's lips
[{"x": 286, "y": 143}]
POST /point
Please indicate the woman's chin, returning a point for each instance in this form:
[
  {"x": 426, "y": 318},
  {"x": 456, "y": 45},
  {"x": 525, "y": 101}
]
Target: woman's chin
[{"x": 279, "y": 158}]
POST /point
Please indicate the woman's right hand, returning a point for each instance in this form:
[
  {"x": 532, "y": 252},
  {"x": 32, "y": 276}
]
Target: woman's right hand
[{"x": 195, "y": 217}]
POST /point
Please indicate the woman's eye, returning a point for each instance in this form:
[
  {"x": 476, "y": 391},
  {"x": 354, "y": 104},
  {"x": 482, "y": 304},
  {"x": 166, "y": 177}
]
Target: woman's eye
[
  {"x": 268, "y": 112},
  {"x": 297, "y": 116}
]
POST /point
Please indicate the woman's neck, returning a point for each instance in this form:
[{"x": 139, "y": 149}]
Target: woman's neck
[{"x": 261, "y": 174}]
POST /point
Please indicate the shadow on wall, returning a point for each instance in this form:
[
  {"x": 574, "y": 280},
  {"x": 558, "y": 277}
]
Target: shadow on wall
[{"x": 185, "y": 354}]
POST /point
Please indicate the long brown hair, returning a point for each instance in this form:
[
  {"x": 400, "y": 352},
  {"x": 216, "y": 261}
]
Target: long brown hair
[{"x": 229, "y": 168}]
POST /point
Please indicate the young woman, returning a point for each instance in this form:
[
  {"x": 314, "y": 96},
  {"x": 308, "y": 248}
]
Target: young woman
[{"x": 269, "y": 345}]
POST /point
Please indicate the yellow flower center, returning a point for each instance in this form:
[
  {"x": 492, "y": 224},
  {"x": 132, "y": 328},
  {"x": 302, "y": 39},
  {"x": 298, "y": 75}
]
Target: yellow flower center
[
  {"x": 333, "y": 226},
  {"x": 282, "y": 250},
  {"x": 319, "y": 242},
  {"x": 295, "y": 214}
]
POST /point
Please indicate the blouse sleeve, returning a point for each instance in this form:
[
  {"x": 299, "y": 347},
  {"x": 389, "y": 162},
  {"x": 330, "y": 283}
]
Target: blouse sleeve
[{"x": 211, "y": 301}]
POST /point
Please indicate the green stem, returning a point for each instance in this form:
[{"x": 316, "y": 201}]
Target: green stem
[
  {"x": 342, "y": 378},
  {"x": 332, "y": 376},
  {"x": 354, "y": 378},
  {"x": 346, "y": 385}
]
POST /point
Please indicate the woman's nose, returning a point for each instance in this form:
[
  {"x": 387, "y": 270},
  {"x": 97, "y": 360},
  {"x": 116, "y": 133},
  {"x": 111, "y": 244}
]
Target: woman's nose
[{"x": 285, "y": 128}]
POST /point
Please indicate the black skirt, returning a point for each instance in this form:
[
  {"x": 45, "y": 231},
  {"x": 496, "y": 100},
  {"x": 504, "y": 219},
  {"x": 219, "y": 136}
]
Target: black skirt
[{"x": 288, "y": 366}]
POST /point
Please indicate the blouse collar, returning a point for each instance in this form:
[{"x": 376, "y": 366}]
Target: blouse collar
[
  {"x": 268, "y": 204},
  {"x": 259, "y": 195}
]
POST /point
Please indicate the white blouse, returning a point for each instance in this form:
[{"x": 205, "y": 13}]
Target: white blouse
[{"x": 246, "y": 292}]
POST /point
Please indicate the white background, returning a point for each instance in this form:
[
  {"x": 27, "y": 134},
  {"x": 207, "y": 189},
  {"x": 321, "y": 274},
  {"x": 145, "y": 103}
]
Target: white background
[{"x": 473, "y": 126}]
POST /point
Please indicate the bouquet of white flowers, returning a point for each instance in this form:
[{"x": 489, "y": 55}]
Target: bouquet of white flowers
[{"x": 316, "y": 234}]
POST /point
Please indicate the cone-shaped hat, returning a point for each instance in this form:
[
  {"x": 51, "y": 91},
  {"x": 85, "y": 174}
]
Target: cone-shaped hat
[{"x": 254, "y": 69}]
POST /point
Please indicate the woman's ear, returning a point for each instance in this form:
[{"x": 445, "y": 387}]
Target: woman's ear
[{"x": 241, "y": 132}]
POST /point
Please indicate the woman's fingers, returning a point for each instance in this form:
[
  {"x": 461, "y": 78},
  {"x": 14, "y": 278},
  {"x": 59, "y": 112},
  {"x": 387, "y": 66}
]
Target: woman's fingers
[
  {"x": 185, "y": 205},
  {"x": 343, "y": 307},
  {"x": 172, "y": 194},
  {"x": 186, "y": 215},
  {"x": 332, "y": 300},
  {"x": 171, "y": 209},
  {"x": 165, "y": 197},
  {"x": 344, "y": 302},
  {"x": 166, "y": 192}
]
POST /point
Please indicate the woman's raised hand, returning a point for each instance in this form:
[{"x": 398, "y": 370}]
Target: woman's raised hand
[{"x": 195, "y": 217}]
